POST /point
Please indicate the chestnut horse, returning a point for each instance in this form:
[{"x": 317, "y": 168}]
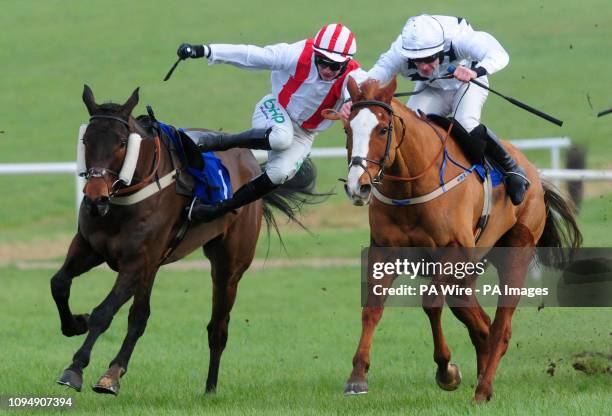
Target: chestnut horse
[
  {"x": 398, "y": 153},
  {"x": 135, "y": 239}
]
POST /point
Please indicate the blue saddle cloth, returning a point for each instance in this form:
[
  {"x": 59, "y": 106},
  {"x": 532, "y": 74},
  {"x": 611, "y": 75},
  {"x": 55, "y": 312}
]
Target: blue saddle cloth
[
  {"x": 213, "y": 182},
  {"x": 497, "y": 177}
]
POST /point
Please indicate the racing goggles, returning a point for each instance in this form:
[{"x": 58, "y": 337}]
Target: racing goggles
[
  {"x": 328, "y": 63},
  {"x": 426, "y": 59}
]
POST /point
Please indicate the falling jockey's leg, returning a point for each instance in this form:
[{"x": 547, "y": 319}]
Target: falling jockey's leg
[
  {"x": 273, "y": 130},
  {"x": 250, "y": 139},
  {"x": 515, "y": 177},
  {"x": 248, "y": 193}
]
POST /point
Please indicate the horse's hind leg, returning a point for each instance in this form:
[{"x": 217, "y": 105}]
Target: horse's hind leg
[
  {"x": 512, "y": 270},
  {"x": 448, "y": 375},
  {"x": 230, "y": 255},
  {"x": 100, "y": 320},
  {"x": 80, "y": 258},
  {"x": 137, "y": 322},
  {"x": 471, "y": 314}
]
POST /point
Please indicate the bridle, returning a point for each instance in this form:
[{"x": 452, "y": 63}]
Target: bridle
[
  {"x": 98, "y": 172},
  {"x": 362, "y": 161}
]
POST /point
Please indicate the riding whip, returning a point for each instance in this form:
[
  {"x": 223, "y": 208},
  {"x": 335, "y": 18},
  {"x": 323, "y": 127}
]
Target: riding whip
[
  {"x": 172, "y": 69},
  {"x": 514, "y": 101},
  {"x": 604, "y": 112}
]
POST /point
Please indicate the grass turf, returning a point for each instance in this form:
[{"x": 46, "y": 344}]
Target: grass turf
[{"x": 292, "y": 335}]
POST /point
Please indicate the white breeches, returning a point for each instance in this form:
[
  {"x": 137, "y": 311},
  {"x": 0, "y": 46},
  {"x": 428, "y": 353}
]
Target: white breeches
[
  {"x": 289, "y": 142},
  {"x": 464, "y": 103}
]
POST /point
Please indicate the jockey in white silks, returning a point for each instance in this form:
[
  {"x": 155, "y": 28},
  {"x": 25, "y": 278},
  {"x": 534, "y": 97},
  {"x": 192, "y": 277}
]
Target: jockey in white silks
[
  {"x": 430, "y": 47},
  {"x": 307, "y": 77}
]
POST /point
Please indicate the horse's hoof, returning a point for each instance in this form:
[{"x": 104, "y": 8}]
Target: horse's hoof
[
  {"x": 80, "y": 325},
  {"x": 483, "y": 393},
  {"x": 71, "y": 379},
  {"x": 106, "y": 385},
  {"x": 211, "y": 386},
  {"x": 481, "y": 398},
  {"x": 451, "y": 381},
  {"x": 356, "y": 387}
]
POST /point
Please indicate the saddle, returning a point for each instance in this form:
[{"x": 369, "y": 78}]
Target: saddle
[{"x": 199, "y": 175}]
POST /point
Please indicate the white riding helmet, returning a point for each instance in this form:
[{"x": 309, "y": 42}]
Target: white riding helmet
[
  {"x": 422, "y": 36},
  {"x": 336, "y": 42}
]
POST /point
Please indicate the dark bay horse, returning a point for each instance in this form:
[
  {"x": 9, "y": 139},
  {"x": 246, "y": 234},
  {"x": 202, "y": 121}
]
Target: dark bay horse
[
  {"x": 134, "y": 238},
  {"x": 385, "y": 137}
]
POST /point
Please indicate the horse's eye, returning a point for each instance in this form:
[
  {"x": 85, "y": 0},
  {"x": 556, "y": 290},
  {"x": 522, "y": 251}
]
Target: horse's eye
[
  {"x": 384, "y": 131},
  {"x": 123, "y": 143}
]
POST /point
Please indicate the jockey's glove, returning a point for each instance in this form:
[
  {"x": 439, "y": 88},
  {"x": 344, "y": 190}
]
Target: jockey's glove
[{"x": 193, "y": 51}]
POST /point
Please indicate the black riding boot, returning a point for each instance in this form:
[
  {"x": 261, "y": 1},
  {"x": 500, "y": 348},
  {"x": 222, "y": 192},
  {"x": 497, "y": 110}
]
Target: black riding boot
[
  {"x": 246, "y": 194},
  {"x": 515, "y": 177},
  {"x": 209, "y": 141}
]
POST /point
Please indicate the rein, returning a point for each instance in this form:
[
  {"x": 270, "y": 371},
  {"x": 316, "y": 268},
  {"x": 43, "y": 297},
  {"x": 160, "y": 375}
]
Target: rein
[{"x": 436, "y": 157}]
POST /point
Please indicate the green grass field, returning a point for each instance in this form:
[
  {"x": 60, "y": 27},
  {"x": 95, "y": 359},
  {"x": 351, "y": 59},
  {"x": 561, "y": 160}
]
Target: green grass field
[
  {"x": 293, "y": 330},
  {"x": 292, "y": 337}
]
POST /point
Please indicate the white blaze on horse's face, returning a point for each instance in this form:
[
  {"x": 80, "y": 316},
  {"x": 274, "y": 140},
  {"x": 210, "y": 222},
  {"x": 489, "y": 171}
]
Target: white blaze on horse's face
[{"x": 361, "y": 125}]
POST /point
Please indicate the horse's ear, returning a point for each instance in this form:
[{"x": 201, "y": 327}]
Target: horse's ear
[
  {"x": 89, "y": 100},
  {"x": 388, "y": 91},
  {"x": 353, "y": 89},
  {"x": 130, "y": 103}
]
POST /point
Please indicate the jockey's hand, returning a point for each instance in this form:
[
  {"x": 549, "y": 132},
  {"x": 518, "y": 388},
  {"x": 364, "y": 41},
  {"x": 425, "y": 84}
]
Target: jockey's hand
[
  {"x": 345, "y": 110},
  {"x": 464, "y": 74},
  {"x": 193, "y": 51}
]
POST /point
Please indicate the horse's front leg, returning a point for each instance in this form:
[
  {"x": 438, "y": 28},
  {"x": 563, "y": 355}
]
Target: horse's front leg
[
  {"x": 137, "y": 323},
  {"x": 370, "y": 316},
  {"x": 357, "y": 382},
  {"x": 80, "y": 259},
  {"x": 100, "y": 319}
]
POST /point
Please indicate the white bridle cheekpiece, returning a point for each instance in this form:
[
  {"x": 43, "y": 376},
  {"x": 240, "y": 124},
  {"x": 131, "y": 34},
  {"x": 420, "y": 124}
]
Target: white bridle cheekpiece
[{"x": 129, "y": 163}]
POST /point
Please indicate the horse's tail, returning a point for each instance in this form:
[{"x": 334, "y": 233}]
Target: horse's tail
[
  {"x": 291, "y": 197},
  {"x": 560, "y": 230}
]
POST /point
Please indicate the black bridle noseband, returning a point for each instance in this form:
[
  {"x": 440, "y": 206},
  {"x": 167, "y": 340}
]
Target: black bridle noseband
[{"x": 361, "y": 161}]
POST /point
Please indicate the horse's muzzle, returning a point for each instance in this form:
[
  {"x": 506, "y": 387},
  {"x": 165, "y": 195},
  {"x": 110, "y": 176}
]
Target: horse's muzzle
[
  {"x": 362, "y": 197},
  {"x": 98, "y": 207}
]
